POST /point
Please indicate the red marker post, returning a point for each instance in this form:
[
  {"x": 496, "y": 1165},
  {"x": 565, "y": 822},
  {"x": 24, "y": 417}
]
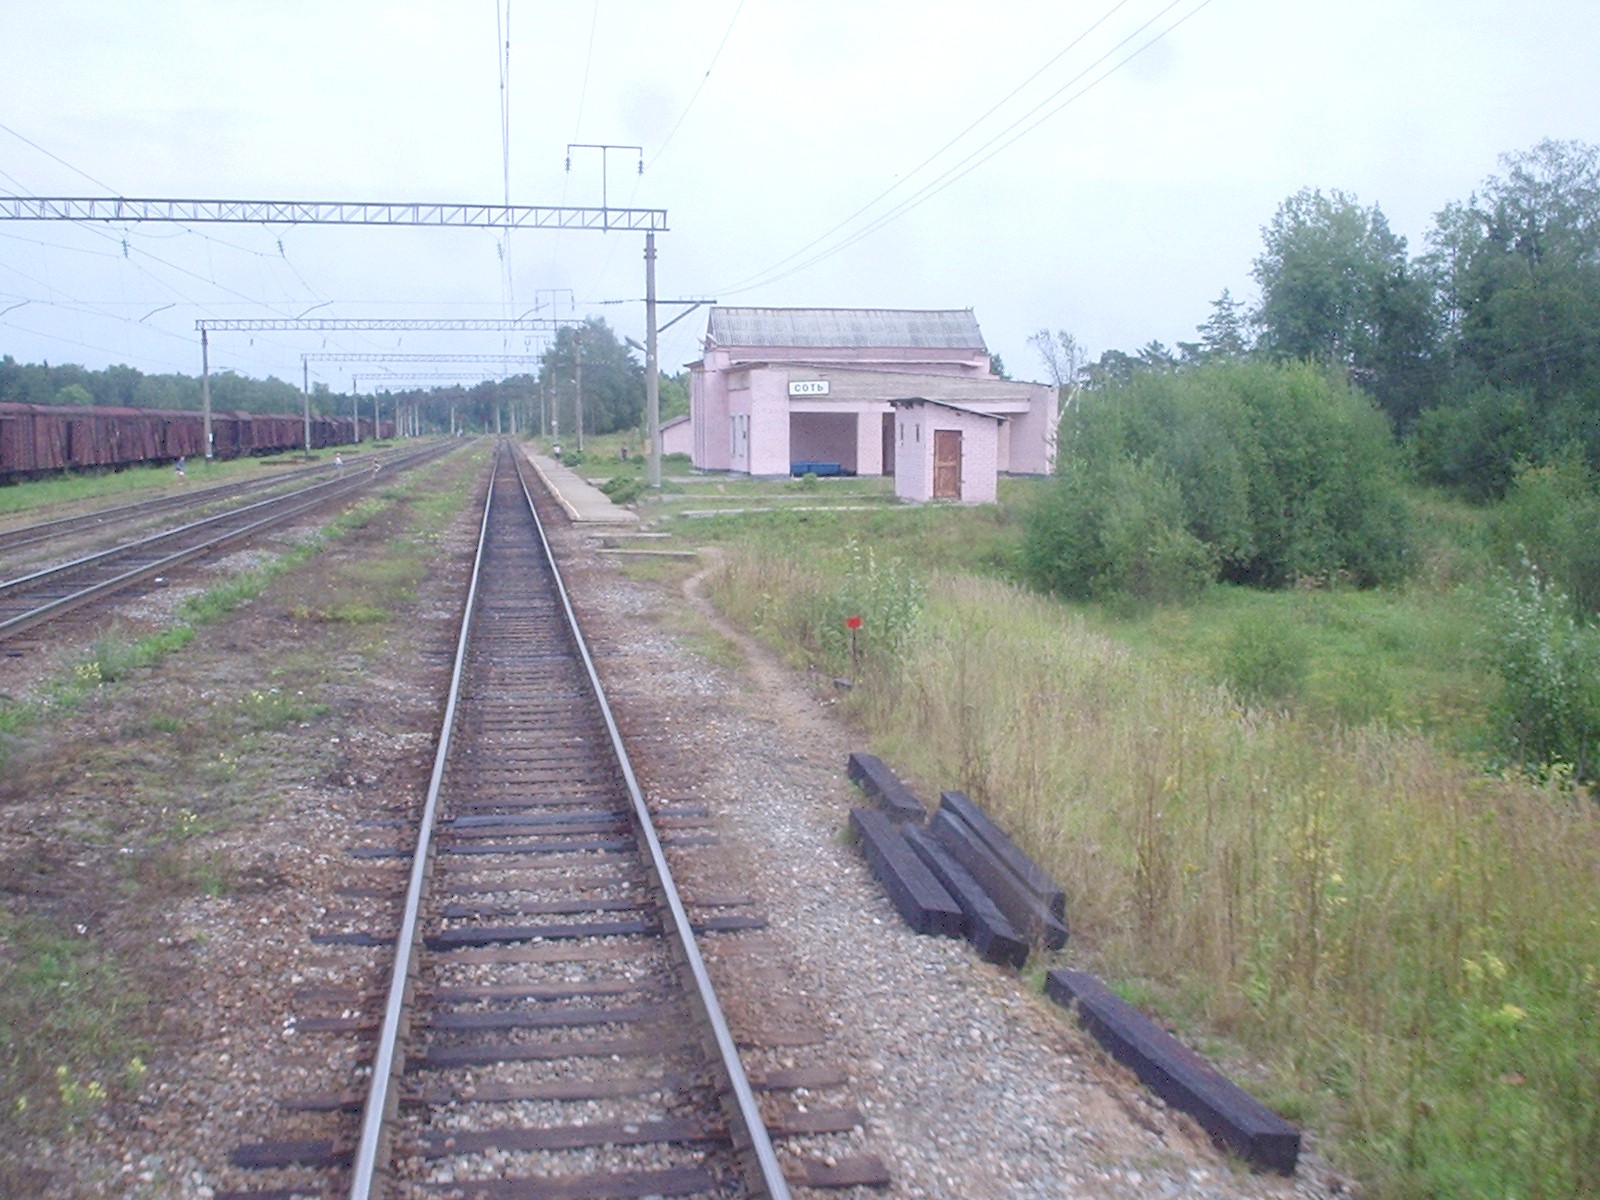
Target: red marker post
[{"x": 852, "y": 624}]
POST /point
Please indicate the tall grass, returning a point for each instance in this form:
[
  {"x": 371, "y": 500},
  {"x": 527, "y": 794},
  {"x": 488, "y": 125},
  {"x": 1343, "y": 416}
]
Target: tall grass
[{"x": 1412, "y": 948}]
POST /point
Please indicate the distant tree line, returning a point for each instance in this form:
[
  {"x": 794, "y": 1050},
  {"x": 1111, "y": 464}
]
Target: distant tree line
[
  {"x": 127, "y": 387},
  {"x": 612, "y": 380},
  {"x": 587, "y": 366}
]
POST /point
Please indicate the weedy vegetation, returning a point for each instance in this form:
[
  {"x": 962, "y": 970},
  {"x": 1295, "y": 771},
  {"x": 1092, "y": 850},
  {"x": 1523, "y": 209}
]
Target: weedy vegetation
[{"x": 1342, "y": 833}]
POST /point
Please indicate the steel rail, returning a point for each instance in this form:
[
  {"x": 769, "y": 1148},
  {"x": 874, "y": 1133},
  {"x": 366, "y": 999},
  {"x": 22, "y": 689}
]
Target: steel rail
[
  {"x": 389, "y": 1061},
  {"x": 89, "y": 560},
  {"x": 764, "y": 1175},
  {"x": 284, "y": 508},
  {"x": 55, "y": 608},
  {"x": 28, "y": 535}
]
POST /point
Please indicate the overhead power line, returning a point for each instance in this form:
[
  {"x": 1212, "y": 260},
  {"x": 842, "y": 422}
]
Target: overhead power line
[
  {"x": 29, "y": 142},
  {"x": 908, "y": 176},
  {"x": 588, "y": 60},
  {"x": 726, "y": 34},
  {"x": 975, "y": 159},
  {"x": 126, "y": 241},
  {"x": 436, "y": 376}
]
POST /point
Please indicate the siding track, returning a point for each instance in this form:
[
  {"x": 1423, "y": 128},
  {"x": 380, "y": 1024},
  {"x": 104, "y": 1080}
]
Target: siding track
[
  {"x": 43, "y": 595},
  {"x": 104, "y": 522}
]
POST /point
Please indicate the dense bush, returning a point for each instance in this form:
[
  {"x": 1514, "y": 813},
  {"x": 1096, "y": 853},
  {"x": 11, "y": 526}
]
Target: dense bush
[
  {"x": 1116, "y": 530},
  {"x": 1549, "y": 519},
  {"x": 624, "y": 489},
  {"x": 1473, "y": 446},
  {"x": 1245, "y": 471}
]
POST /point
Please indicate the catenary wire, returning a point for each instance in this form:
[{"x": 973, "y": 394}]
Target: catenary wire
[
  {"x": 726, "y": 34},
  {"x": 906, "y": 178},
  {"x": 984, "y": 153}
]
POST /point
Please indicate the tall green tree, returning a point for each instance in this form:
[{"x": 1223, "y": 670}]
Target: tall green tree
[
  {"x": 1110, "y": 369},
  {"x": 1338, "y": 289},
  {"x": 1156, "y": 356},
  {"x": 673, "y": 395},
  {"x": 1224, "y": 333},
  {"x": 1518, "y": 266},
  {"x": 612, "y": 379},
  {"x": 124, "y": 386}
]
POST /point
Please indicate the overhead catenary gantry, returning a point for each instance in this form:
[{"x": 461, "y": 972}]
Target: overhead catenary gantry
[
  {"x": 437, "y": 378},
  {"x": 341, "y": 356},
  {"x": 381, "y": 324},
  {"x": 302, "y": 212},
  {"x": 297, "y": 212},
  {"x": 302, "y": 324},
  {"x": 367, "y": 357}
]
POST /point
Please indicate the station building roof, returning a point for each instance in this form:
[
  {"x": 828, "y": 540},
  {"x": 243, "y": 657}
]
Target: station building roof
[{"x": 865, "y": 328}]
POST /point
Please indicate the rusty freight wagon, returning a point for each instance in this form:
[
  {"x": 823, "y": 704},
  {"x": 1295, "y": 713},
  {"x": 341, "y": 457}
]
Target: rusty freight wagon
[{"x": 39, "y": 439}]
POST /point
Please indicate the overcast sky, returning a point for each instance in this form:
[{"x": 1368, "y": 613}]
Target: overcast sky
[{"x": 773, "y": 132}]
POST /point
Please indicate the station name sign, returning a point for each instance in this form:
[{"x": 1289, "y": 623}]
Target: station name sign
[{"x": 808, "y": 387}]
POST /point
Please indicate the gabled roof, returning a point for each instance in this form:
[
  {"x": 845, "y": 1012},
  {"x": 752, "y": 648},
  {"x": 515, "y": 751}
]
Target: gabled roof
[{"x": 856, "y": 328}]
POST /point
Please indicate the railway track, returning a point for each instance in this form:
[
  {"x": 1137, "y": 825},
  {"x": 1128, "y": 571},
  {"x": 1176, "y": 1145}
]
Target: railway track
[
  {"x": 108, "y": 521},
  {"x": 43, "y": 595},
  {"x": 548, "y": 1029}
]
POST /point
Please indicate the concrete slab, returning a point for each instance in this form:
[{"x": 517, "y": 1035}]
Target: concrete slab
[{"x": 583, "y": 502}]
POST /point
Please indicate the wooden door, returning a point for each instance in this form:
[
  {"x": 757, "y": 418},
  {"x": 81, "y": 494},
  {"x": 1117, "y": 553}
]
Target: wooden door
[{"x": 947, "y": 464}]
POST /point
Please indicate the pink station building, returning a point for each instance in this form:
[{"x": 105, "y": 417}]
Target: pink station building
[{"x": 865, "y": 391}]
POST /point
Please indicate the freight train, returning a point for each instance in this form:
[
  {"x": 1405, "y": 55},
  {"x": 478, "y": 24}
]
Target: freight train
[{"x": 41, "y": 439}]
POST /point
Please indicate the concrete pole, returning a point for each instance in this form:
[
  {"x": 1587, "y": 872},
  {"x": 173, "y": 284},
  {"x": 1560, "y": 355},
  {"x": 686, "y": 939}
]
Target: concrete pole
[
  {"x": 577, "y": 380},
  {"x": 652, "y": 385},
  {"x": 305, "y": 399},
  {"x": 205, "y": 389}
]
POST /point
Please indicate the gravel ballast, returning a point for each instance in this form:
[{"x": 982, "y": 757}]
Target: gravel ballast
[
  {"x": 972, "y": 1083},
  {"x": 969, "y": 1082}
]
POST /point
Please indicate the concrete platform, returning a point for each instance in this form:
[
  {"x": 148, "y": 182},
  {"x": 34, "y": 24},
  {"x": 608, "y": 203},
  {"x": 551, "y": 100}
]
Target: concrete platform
[{"x": 583, "y": 502}]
